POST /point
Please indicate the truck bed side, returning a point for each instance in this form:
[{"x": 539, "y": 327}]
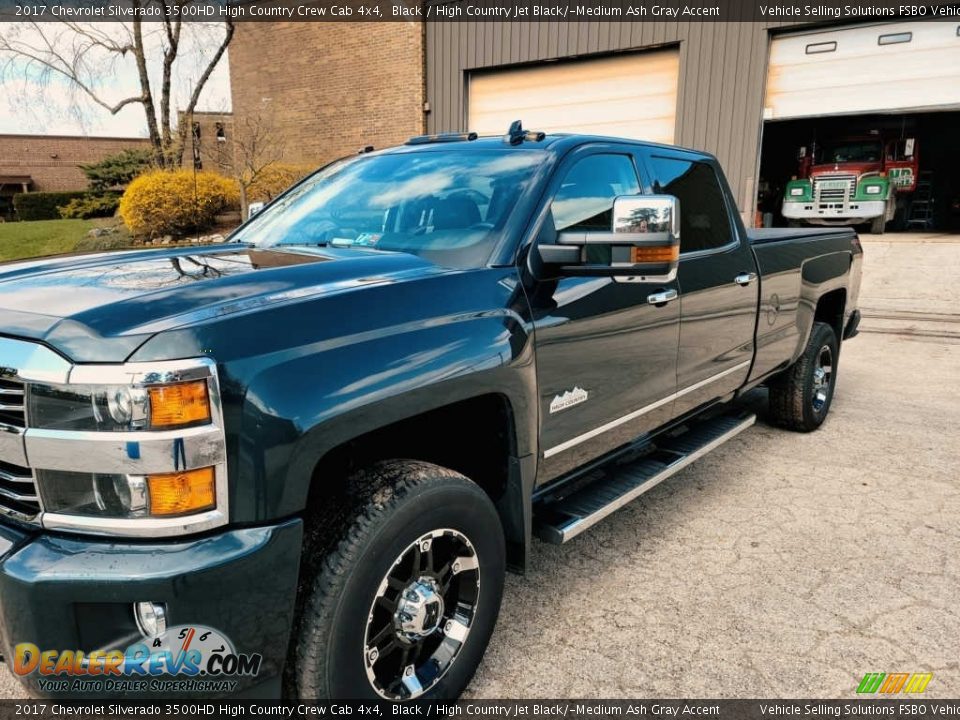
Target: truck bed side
[{"x": 799, "y": 269}]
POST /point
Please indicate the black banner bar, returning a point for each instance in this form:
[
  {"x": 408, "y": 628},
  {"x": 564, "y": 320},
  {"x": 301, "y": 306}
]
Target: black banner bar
[
  {"x": 906, "y": 708},
  {"x": 474, "y": 10}
]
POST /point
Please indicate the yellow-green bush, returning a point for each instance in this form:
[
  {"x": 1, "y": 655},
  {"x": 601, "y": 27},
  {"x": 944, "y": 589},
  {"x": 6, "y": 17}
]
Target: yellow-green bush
[
  {"x": 274, "y": 179},
  {"x": 175, "y": 202}
]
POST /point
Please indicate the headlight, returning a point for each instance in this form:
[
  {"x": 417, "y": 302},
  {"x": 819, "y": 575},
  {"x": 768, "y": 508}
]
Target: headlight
[
  {"x": 118, "y": 408},
  {"x": 128, "y": 496},
  {"x": 873, "y": 189},
  {"x": 93, "y": 494},
  {"x": 796, "y": 191},
  {"x": 136, "y": 449}
]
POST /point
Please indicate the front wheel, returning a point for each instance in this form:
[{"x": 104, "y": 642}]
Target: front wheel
[
  {"x": 878, "y": 225},
  {"x": 800, "y": 397},
  {"x": 404, "y": 606}
]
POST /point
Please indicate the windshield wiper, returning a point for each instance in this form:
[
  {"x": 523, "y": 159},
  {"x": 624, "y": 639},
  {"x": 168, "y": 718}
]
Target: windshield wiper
[{"x": 315, "y": 243}]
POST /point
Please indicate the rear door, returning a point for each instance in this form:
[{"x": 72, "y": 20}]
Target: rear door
[
  {"x": 606, "y": 357},
  {"x": 718, "y": 281}
]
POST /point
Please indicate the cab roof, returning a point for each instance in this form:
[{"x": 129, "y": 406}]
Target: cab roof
[{"x": 556, "y": 143}]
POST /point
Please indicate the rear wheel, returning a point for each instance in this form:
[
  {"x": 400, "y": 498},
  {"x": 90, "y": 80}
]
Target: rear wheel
[
  {"x": 900, "y": 215},
  {"x": 800, "y": 398},
  {"x": 404, "y": 606}
]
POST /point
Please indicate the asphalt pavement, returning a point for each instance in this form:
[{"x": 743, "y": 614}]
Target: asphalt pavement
[{"x": 782, "y": 564}]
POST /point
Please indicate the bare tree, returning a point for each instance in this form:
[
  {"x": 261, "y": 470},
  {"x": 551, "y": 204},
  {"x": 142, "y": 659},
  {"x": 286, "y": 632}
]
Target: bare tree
[
  {"x": 258, "y": 145},
  {"x": 85, "y": 54}
]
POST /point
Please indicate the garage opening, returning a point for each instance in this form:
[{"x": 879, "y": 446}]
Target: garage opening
[
  {"x": 631, "y": 95},
  {"x": 830, "y": 151},
  {"x": 860, "y": 128}
]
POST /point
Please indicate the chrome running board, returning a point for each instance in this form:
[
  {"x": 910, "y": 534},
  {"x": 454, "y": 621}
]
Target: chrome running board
[{"x": 557, "y": 521}]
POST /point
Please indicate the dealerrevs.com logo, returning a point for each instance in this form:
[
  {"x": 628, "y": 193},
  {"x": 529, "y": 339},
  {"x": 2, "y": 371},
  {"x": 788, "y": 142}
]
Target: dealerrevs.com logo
[{"x": 185, "y": 658}]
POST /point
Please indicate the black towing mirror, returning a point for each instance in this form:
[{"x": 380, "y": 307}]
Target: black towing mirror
[{"x": 643, "y": 244}]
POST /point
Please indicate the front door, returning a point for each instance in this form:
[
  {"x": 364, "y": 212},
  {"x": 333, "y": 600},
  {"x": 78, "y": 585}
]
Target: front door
[
  {"x": 718, "y": 281},
  {"x": 606, "y": 357}
]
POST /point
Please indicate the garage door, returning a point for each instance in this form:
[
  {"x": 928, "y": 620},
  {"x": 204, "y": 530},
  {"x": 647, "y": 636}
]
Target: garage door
[
  {"x": 632, "y": 96},
  {"x": 872, "y": 68}
]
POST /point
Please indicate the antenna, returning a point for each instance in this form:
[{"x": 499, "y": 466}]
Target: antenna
[{"x": 516, "y": 134}]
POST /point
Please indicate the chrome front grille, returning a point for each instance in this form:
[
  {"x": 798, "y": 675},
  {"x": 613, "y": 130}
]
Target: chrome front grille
[
  {"x": 834, "y": 188},
  {"x": 18, "y": 491},
  {"x": 11, "y": 403},
  {"x": 18, "y": 488}
]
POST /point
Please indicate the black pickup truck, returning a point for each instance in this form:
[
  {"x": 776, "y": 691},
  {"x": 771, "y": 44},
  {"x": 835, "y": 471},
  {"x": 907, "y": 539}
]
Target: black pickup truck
[{"x": 301, "y": 461}]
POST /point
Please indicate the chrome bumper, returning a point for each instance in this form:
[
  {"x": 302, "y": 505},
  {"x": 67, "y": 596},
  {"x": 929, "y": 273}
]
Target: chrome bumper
[
  {"x": 130, "y": 453},
  {"x": 851, "y": 211}
]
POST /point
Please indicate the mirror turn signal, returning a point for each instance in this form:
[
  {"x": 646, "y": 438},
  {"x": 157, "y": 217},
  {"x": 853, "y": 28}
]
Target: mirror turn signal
[{"x": 655, "y": 254}]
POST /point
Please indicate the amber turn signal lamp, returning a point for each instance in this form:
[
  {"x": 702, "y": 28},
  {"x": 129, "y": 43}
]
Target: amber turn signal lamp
[
  {"x": 654, "y": 253},
  {"x": 180, "y": 404},
  {"x": 184, "y": 492}
]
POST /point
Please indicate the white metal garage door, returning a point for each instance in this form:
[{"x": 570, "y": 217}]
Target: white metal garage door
[
  {"x": 870, "y": 68},
  {"x": 632, "y": 96}
]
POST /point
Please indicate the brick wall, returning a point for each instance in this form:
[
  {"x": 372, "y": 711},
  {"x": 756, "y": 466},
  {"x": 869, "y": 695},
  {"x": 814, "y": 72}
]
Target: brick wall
[
  {"x": 330, "y": 88},
  {"x": 52, "y": 160}
]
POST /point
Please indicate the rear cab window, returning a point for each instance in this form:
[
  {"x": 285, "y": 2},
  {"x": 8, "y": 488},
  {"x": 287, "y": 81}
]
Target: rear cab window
[{"x": 704, "y": 217}]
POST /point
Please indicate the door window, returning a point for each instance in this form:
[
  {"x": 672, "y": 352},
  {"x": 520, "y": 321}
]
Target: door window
[
  {"x": 585, "y": 198},
  {"x": 704, "y": 222}
]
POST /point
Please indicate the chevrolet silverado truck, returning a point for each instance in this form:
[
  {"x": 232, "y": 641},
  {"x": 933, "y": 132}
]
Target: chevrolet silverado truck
[
  {"x": 853, "y": 180},
  {"x": 323, "y": 442}
]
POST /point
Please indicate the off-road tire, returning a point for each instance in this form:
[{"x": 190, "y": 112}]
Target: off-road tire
[
  {"x": 792, "y": 400},
  {"x": 402, "y": 500}
]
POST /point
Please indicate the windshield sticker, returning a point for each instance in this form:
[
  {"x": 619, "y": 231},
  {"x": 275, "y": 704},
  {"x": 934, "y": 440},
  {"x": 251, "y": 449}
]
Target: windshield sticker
[{"x": 367, "y": 239}]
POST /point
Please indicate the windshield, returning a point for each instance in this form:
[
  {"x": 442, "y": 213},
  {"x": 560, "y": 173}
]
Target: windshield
[
  {"x": 863, "y": 151},
  {"x": 444, "y": 206}
]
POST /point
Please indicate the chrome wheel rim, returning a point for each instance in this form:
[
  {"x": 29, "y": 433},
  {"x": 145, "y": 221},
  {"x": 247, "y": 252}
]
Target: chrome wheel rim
[
  {"x": 422, "y": 614},
  {"x": 822, "y": 378}
]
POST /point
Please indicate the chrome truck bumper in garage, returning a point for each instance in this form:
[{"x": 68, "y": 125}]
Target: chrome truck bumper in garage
[
  {"x": 71, "y": 580},
  {"x": 827, "y": 213}
]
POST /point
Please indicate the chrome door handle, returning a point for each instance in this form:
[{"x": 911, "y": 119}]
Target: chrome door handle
[
  {"x": 746, "y": 278},
  {"x": 662, "y": 297}
]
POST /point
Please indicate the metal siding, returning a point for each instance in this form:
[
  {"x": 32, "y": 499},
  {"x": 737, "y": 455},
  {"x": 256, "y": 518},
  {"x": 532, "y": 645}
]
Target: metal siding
[
  {"x": 737, "y": 118},
  {"x": 722, "y": 75}
]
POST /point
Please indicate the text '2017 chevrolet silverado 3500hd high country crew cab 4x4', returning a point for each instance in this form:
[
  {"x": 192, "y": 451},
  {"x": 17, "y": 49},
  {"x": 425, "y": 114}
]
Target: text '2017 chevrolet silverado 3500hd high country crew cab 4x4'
[{"x": 317, "y": 447}]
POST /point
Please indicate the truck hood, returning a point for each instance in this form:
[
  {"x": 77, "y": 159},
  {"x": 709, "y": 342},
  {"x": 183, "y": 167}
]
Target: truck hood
[
  {"x": 844, "y": 168},
  {"x": 100, "y": 308}
]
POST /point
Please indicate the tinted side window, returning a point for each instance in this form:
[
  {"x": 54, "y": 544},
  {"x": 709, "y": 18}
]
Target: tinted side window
[
  {"x": 704, "y": 223},
  {"x": 585, "y": 199}
]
